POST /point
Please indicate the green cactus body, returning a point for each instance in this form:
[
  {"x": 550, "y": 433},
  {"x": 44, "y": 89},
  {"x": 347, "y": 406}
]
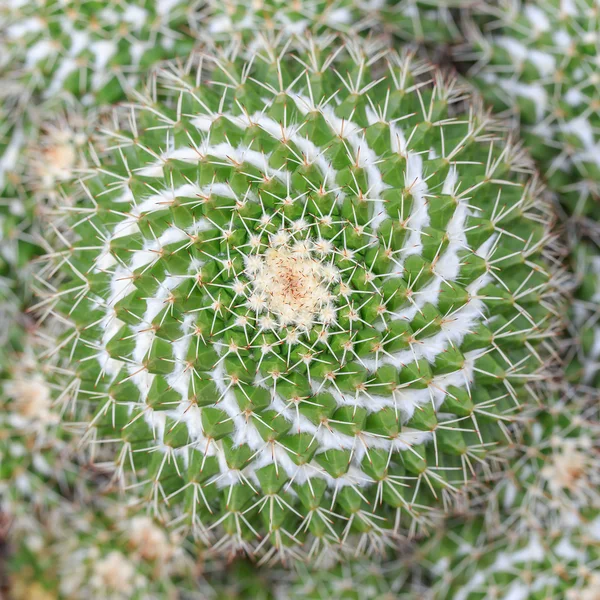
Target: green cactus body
[
  {"x": 37, "y": 457},
  {"x": 12, "y": 203},
  {"x": 304, "y": 293},
  {"x": 74, "y": 552},
  {"x": 54, "y": 56},
  {"x": 86, "y": 49},
  {"x": 469, "y": 563},
  {"x": 541, "y": 59},
  {"x": 291, "y": 18},
  {"x": 583, "y": 356},
  {"x": 556, "y": 472},
  {"x": 355, "y": 580},
  {"x": 413, "y": 21},
  {"x": 38, "y": 154},
  {"x": 41, "y": 153}
]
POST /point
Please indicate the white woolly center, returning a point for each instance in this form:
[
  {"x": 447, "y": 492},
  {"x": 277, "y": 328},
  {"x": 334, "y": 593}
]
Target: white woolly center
[
  {"x": 568, "y": 468},
  {"x": 292, "y": 285},
  {"x": 33, "y": 401},
  {"x": 114, "y": 572},
  {"x": 149, "y": 540}
]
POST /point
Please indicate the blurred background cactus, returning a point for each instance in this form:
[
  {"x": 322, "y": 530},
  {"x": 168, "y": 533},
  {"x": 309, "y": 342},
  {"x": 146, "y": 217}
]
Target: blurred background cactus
[{"x": 299, "y": 299}]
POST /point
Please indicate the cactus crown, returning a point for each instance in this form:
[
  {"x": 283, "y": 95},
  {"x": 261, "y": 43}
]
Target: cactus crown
[{"x": 303, "y": 289}]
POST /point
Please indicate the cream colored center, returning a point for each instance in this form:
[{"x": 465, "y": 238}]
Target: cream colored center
[
  {"x": 293, "y": 286},
  {"x": 32, "y": 398},
  {"x": 567, "y": 470}
]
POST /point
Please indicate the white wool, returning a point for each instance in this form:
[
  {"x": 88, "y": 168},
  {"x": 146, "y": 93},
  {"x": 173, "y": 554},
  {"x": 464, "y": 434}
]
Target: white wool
[
  {"x": 537, "y": 17},
  {"x": 544, "y": 62},
  {"x": 561, "y": 38},
  {"x": 103, "y": 51}
]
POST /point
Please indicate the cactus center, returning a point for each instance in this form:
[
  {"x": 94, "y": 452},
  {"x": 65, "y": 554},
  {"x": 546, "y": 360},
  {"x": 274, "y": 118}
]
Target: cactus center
[{"x": 293, "y": 285}]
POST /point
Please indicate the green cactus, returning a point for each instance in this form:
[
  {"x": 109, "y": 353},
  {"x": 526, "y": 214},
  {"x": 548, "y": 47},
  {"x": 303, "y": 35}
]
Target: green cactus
[
  {"x": 300, "y": 302},
  {"x": 583, "y": 345},
  {"x": 39, "y": 461},
  {"x": 72, "y": 552},
  {"x": 355, "y": 580},
  {"x": 540, "y": 60},
  {"x": 236, "y": 580},
  {"x": 88, "y": 50},
  {"x": 538, "y": 536},
  {"x": 55, "y": 56},
  {"x": 64, "y": 539},
  {"x": 15, "y": 244},
  {"x": 37, "y": 154},
  {"x": 472, "y": 563},
  {"x": 307, "y": 311},
  {"x": 413, "y": 21},
  {"x": 556, "y": 470}
]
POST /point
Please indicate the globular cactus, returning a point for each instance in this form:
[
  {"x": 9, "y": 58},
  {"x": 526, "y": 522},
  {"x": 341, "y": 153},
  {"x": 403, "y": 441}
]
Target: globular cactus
[
  {"x": 556, "y": 470},
  {"x": 87, "y": 50},
  {"x": 355, "y": 580},
  {"x": 55, "y": 154},
  {"x": 413, "y": 21},
  {"x": 300, "y": 300},
  {"x": 38, "y": 452},
  {"x": 62, "y": 539},
  {"x": 582, "y": 359},
  {"x": 473, "y": 563},
  {"x": 540, "y": 59},
  {"x": 538, "y": 533},
  {"x": 37, "y": 154},
  {"x": 305, "y": 292},
  {"x": 56, "y": 56},
  {"x": 74, "y": 552}
]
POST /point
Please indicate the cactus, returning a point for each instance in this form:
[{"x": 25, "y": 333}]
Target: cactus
[
  {"x": 287, "y": 315},
  {"x": 583, "y": 345},
  {"x": 539, "y": 59},
  {"x": 471, "y": 563},
  {"x": 300, "y": 300},
  {"x": 54, "y": 56},
  {"x": 538, "y": 536},
  {"x": 555, "y": 472},
  {"x": 368, "y": 580},
  {"x": 64, "y": 540},
  {"x": 413, "y": 21},
  {"x": 88, "y": 50},
  {"x": 73, "y": 552},
  {"x": 15, "y": 245},
  {"x": 38, "y": 459}
]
